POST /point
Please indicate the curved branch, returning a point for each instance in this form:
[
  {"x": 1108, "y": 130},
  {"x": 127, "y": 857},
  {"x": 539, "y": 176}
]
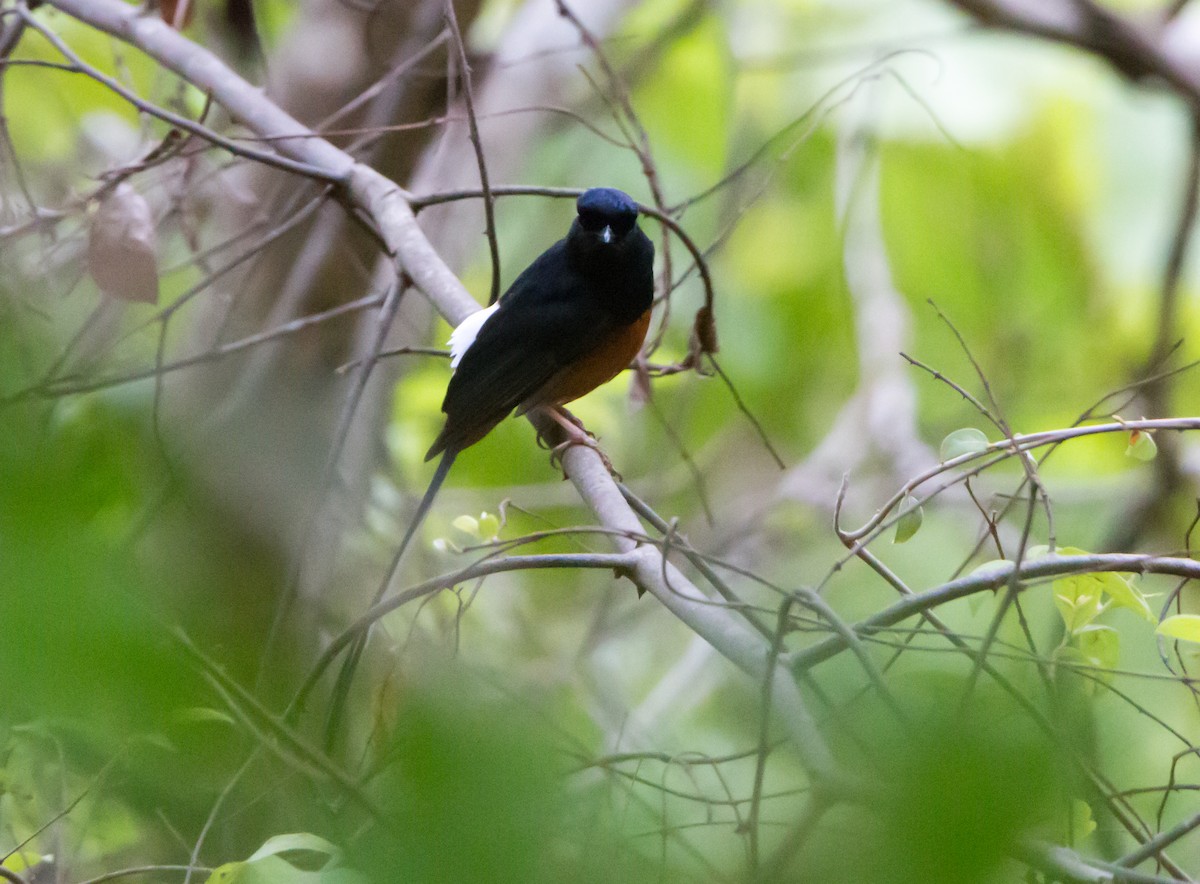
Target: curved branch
[
  {"x": 388, "y": 206},
  {"x": 11, "y": 876},
  {"x": 1017, "y": 444},
  {"x": 142, "y": 870},
  {"x": 994, "y": 576},
  {"x": 385, "y": 606},
  {"x": 1137, "y": 49},
  {"x": 1161, "y": 841},
  {"x": 659, "y": 215},
  {"x": 78, "y": 65}
]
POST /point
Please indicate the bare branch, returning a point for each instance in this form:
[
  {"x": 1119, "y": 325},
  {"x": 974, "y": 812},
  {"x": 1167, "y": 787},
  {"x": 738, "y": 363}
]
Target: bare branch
[
  {"x": 143, "y": 870},
  {"x": 388, "y": 207},
  {"x": 309, "y": 170},
  {"x": 489, "y": 203},
  {"x": 1161, "y": 841},
  {"x": 994, "y": 576},
  {"x": 1137, "y": 50}
]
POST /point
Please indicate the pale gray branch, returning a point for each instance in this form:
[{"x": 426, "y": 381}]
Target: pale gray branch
[
  {"x": 386, "y": 204},
  {"x": 990, "y": 577},
  {"x": 1138, "y": 48}
]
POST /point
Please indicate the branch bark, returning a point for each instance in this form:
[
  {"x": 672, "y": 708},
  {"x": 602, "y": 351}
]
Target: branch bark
[
  {"x": 387, "y": 205},
  {"x": 1138, "y": 49},
  {"x": 1162, "y": 48},
  {"x": 990, "y": 577}
]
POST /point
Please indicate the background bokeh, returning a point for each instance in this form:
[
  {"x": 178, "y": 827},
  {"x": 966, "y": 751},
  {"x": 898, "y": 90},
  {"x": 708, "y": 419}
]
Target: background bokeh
[{"x": 178, "y": 543}]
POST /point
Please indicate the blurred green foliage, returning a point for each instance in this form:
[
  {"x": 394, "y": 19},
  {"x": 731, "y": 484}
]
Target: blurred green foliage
[
  {"x": 550, "y": 726},
  {"x": 965, "y": 786},
  {"x": 78, "y": 612}
]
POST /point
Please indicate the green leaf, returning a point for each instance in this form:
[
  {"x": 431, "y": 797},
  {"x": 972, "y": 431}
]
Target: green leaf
[
  {"x": 1141, "y": 446},
  {"x": 1080, "y": 591},
  {"x": 203, "y": 714},
  {"x": 1100, "y": 646},
  {"x": 909, "y": 523},
  {"x": 990, "y": 565},
  {"x": 489, "y": 526},
  {"x": 1081, "y": 823},
  {"x": 279, "y": 861},
  {"x": 467, "y": 525},
  {"x": 1181, "y": 626},
  {"x": 278, "y": 844},
  {"x": 230, "y": 873},
  {"x": 24, "y": 860},
  {"x": 968, "y": 440},
  {"x": 1078, "y": 599},
  {"x": 268, "y": 870},
  {"x": 1125, "y": 595}
]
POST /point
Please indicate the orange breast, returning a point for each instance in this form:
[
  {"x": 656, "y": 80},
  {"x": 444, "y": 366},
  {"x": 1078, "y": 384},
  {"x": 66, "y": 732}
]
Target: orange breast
[{"x": 603, "y": 364}]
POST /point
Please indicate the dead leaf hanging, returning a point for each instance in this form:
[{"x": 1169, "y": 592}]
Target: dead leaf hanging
[{"x": 122, "y": 246}]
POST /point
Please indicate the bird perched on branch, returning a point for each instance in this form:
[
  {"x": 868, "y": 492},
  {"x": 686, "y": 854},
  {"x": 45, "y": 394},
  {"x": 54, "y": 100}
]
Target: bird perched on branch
[{"x": 571, "y": 321}]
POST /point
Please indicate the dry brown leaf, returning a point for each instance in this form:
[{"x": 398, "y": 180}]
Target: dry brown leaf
[
  {"x": 122, "y": 246},
  {"x": 704, "y": 332}
]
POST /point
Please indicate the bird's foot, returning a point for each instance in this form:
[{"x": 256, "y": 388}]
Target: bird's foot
[
  {"x": 577, "y": 434},
  {"x": 560, "y": 414},
  {"x": 587, "y": 441}
]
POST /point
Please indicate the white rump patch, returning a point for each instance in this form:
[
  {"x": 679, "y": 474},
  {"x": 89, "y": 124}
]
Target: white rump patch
[{"x": 464, "y": 334}]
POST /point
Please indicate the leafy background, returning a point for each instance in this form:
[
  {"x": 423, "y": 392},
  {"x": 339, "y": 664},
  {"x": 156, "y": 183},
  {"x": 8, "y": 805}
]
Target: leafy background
[{"x": 547, "y": 725}]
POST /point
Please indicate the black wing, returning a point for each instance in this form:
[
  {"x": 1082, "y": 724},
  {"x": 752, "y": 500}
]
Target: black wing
[{"x": 548, "y": 318}]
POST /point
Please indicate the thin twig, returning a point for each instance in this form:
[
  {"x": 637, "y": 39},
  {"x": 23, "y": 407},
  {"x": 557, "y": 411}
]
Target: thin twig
[
  {"x": 273, "y": 733},
  {"x": 994, "y": 576},
  {"x": 1018, "y": 444},
  {"x": 617, "y": 562},
  {"x": 354, "y": 396},
  {"x": 639, "y": 139},
  {"x": 1157, "y": 393},
  {"x": 747, "y": 413},
  {"x": 489, "y": 203},
  {"x": 278, "y": 161},
  {"x": 50, "y": 387},
  {"x": 214, "y": 811},
  {"x": 663, "y": 217},
  {"x": 144, "y": 870},
  {"x": 764, "y": 729}
]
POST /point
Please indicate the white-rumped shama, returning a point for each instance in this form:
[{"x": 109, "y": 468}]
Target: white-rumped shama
[
  {"x": 574, "y": 319},
  {"x": 571, "y": 321}
]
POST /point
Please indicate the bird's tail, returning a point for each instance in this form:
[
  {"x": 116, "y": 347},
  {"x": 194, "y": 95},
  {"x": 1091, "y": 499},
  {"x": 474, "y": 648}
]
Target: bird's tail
[
  {"x": 341, "y": 689},
  {"x": 435, "y": 485}
]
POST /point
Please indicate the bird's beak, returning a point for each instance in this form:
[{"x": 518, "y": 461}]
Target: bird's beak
[{"x": 606, "y": 235}]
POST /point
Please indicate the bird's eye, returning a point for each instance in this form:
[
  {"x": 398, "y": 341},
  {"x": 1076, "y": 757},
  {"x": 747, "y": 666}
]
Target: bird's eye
[
  {"x": 622, "y": 224},
  {"x": 591, "y": 221}
]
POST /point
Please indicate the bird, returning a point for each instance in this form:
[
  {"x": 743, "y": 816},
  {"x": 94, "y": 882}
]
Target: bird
[{"x": 571, "y": 321}]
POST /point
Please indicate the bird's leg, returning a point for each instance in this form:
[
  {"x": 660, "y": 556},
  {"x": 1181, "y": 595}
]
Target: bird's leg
[
  {"x": 561, "y": 413},
  {"x": 576, "y": 435}
]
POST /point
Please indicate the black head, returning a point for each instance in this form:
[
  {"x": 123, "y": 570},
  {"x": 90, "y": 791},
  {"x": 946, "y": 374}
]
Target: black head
[{"x": 606, "y": 213}]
